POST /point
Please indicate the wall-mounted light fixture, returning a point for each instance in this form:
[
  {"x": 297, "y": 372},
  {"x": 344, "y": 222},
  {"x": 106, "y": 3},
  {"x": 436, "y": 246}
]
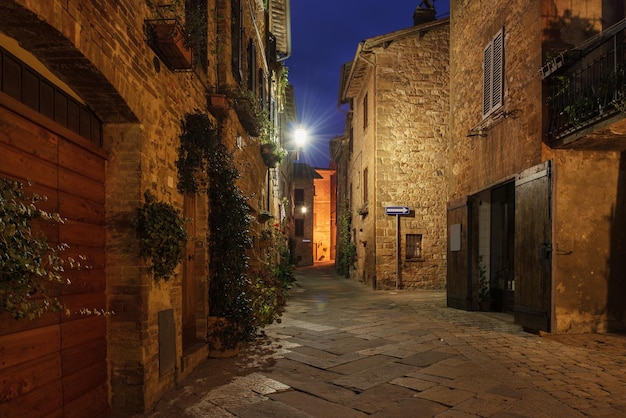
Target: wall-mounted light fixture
[{"x": 300, "y": 135}]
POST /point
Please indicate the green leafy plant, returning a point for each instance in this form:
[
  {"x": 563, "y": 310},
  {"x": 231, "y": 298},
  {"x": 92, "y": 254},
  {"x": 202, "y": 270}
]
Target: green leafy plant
[
  {"x": 241, "y": 299},
  {"x": 346, "y": 249},
  {"x": 162, "y": 236},
  {"x": 229, "y": 224},
  {"x": 484, "y": 291},
  {"x": 272, "y": 153},
  {"x": 30, "y": 268},
  {"x": 278, "y": 257},
  {"x": 197, "y": 142},
  {"x": 268, "y": 297},
  {"x": 253, "y": 116}
]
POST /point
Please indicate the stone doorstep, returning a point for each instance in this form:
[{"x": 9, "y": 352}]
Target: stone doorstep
[{"x": 192, "y": 358}]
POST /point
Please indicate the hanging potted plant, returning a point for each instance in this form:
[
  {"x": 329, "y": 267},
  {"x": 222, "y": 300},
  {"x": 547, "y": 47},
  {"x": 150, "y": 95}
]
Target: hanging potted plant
[
  {"x": 167, "y": 39},
  {"x": 269, "y": 154}
]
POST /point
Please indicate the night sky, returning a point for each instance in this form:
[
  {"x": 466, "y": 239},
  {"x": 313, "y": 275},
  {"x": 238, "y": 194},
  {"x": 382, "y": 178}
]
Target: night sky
[{"x": 325, "y": 34}]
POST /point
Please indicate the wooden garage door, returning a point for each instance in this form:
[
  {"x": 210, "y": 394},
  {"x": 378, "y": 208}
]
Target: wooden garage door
[{"x": 56, "y": 365}]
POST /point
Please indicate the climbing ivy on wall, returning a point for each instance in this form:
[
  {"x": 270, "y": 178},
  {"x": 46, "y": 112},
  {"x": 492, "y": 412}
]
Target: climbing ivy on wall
[
  {"x": 346, "y": 249},
  {"x": 162, "y": 236}
]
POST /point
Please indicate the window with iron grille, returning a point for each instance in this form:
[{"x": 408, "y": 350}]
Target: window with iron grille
[
  {"x": 414, "y": 246},
  {"x": 493, "y": 74}
]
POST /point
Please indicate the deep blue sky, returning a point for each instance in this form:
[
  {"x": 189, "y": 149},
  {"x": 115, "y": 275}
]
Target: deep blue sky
[{"x": 325, "y": 34}]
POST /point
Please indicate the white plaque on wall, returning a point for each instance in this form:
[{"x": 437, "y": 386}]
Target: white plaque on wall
[{"x": 455, "y": 237}]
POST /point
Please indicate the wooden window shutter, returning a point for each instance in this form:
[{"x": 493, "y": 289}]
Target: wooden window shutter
[
  {"x": 493, "y": 74},
  {"x": 252, "y": 67},
  {"x": 498, "y": 70},
  {"x": 487, "y": 67}
]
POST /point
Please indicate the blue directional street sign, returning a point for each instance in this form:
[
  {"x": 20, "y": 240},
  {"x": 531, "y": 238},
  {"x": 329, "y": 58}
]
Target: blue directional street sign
[{"x": 397, "y": 210}]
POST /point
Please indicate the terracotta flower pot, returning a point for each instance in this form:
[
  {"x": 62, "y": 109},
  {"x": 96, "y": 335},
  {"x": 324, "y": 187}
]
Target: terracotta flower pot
[{"x": 215, "y": 333}]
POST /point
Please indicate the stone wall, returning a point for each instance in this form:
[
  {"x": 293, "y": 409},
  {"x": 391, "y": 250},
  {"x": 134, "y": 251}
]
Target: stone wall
[
  {"x": 490, "y": 152},
  {"x": 400, "y": 156},
  {"x": 412, "y": 142}
]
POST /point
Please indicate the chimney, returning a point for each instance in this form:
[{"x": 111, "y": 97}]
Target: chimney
[{"x": 424, "y": 13}]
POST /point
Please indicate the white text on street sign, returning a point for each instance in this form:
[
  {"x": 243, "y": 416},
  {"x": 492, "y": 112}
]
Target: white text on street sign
[{"x": 397, "y": 210}]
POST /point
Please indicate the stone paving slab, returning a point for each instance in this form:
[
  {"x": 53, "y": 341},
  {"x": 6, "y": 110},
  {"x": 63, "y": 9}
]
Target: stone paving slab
[
  {"x": 412, "y": 407},
  {"x": 268, "y": 409},
  {"x": 373, "y": 401},
  {"x": 315, "y": 406},
  {"x": 374, "y": 376}
]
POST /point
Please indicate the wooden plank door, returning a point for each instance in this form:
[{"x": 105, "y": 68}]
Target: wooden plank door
[
  {"x": 533, "y": 248},
  {"x": 459, "y": 288}
]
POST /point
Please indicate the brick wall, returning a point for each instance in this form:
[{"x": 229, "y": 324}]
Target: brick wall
[{"x": 98, "y": 48}]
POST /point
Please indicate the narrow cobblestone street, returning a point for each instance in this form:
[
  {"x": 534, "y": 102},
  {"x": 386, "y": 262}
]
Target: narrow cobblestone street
[{"x": 344, "y": 350}]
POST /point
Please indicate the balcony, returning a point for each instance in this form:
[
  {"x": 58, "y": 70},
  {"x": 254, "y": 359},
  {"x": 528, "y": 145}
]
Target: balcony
[{"x": 587, "y": 94}]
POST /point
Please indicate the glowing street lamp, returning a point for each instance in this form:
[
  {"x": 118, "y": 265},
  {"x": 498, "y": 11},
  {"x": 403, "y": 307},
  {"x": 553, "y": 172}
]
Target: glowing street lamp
[{"x": 300, "y": 136}]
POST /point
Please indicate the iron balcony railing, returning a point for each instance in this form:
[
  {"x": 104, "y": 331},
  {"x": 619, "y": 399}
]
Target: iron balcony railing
[{"x": 586, "y": 84}]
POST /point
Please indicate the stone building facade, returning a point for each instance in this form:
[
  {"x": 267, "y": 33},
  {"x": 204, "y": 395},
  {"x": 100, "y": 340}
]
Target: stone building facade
[
  {"x": 397, "y": 155},
  {"x": 324, "y": 226},
  {"x": 117, "y": 101},
  {"x": 302, "y": 216},
  {"x": 536, "y": 186}
]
